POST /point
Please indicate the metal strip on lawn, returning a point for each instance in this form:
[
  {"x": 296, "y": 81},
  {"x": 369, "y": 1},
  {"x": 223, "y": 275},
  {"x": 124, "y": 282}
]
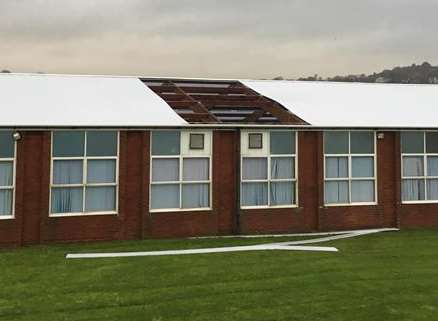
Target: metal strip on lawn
[{"x": 285, "y": 246}]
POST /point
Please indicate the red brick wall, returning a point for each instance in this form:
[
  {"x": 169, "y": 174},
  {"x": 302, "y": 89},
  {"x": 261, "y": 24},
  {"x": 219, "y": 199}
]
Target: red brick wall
[{"x": 33, "y": 225}]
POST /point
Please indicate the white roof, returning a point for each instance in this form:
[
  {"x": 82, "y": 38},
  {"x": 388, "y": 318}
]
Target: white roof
[
  {"x": 38, "y": 100},
  {"x": 331, "y": 104}
]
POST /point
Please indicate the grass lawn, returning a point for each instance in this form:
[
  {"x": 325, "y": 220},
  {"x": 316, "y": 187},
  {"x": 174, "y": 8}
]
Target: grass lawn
[{"x": 386, "y": 276}]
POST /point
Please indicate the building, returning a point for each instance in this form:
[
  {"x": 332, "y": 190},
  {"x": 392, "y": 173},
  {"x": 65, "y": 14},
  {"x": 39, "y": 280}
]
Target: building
[{"x": 113, "y": 158}]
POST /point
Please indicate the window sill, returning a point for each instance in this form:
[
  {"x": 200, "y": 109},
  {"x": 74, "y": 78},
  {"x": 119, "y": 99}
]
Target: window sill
[
  {"x": 352, "y": 204},
  {"x": 83, "y": 214},
  {"x": 419, "y": 202},
  {"x": 7, "y": 217},
  {"x": 182, "y": 210},
  {"x": 267, "y": 207}
]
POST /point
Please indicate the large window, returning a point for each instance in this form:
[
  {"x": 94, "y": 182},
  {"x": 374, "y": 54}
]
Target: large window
[
  {"x": 268, "y": 172},
  {"x": 180, "y": 170},
  {"x": 349, "y": 167},
  {"x": 7, "y": 175},
  {"x": 419, "y": 166},
  {"x": 84, "y": 172}
]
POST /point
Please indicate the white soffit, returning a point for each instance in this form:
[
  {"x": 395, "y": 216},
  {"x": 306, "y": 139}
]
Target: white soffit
[
  {"x": 75, "y": 101},
  {"x": 331, "y": 104}
]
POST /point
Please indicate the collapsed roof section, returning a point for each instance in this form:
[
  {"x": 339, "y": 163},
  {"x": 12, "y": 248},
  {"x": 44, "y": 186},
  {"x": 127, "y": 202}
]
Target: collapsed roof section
[{"x": 220, "y": 101}]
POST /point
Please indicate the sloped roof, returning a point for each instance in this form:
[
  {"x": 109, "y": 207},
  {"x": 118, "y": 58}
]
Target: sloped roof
[
  {"x": 39, "y": 100},
  {"x": 331, "y": 104}
]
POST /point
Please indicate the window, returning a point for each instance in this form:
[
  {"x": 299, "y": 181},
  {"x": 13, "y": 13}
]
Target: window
[
  {"x": 255, "y": 140},
  {"x": 349, "y": 167},
  {"x": 196, "y": 141},
  {"x": 268, "y": 175},
  {"x": 7, "y": 174},
  {"x": 180, "y": 174},
  {"x": 84, "y": 172},
  {"x": 419, "y": 166}
]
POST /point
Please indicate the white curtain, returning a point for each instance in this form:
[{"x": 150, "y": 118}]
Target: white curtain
[
  {"x": 432, "y": 189},
  {"x": 282, "y": 167},
  {"x": 254, "y": 194},
  {"x": 282, "y": 193},
  {"x": 362, "y": 166},
  {"x": 165, "y": 196},
  {"x": 195, "y": 195},
  {"x": 101, "y": 171},
  {"x": 362, "y": 191},
  {"x": 6, "y": 173},
  {"x": 98, "y": 199},
  {"x": 195, "y": 169},
  {"x": 336, "y": 192},
  {"x": 336, "y": 167},
  {"x": 432, "y": 166},
  {"x": 413, "y": 166},
  {"x": 67, "y": 172},
  {"x": 165, "y": 169},
  {"x": 5, "y": 202},
  {"x": 413, "y": 189},
  {"x": 67, "y": 200},
  {"x": 255, "y": 168}
]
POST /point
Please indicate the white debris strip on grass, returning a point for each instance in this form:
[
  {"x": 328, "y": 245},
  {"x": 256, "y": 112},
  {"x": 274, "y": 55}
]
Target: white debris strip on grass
[{"x": 285, "y": 246}]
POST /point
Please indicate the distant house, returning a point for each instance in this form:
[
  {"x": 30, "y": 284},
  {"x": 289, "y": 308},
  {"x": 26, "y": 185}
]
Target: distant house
[{"x": 112, "y": 158}]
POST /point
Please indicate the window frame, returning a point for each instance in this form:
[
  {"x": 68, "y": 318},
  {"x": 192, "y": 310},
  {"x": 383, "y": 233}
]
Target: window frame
[
  {"x": 84, "y": 184},
  {"x": 262, "y": 153},
  {"x": 14, "y": 178},
  {"x": 425, "y": 176},
  {"x": 350, "y": 177},
  {"x": 183, "y": 154}
]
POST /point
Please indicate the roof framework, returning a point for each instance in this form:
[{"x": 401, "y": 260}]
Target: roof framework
[{"x": 219, "y": 101}]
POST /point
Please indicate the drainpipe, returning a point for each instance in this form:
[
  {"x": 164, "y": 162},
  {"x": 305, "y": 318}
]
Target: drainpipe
[{"x": 237, "y": 227}]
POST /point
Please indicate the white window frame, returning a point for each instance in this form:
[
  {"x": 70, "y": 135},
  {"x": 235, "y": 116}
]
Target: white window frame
[
  {"x": 14, "y": 169},
  {"x": 264, "y": 152},
  {"x": 425, "y": 177},
  {"x": 350, "y": 177},
  {"x": 84, "y": 184},
  {"x": 184, "y": 152}
]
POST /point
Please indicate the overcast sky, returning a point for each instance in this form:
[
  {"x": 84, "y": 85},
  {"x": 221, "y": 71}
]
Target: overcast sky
[{"x": 223, "y": 38}]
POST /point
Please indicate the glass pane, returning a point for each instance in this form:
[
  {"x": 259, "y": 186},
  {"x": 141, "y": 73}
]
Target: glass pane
[
  {"x": 336, "y": 167},
  {"x": 255, "y": 141},
  {"x": 413, "y": 166},
  {"x": 362, "y": 191},
  {"x": 282, "y": 142},
  {"x": 431, "y": 142},
  {"x": 165, "y": 196},
  {"x": 6, "y": 144},
  {"x": 282, "y": 167},
  {"x": 412, "y": 189},
  {"x": 432, "y": 189},
  {"x": 196, "y": 169},
  {"x": 100, "y": 199},
  {"x": 255, "y": 168},
  {"x": 412, "y": 142},
  {"x": 362, "y": 142},
  {"x": 336, "y": 192},
  {"x": 6, "y": 173},
  {"x": 432, "y": 165},
  {"x": 165, "y": 169},
  {"x": 196, "y": 141},
  {"x": 67, "y": 171},
  {"x": 335, "y": 142},
  {"x": 282, "y": 193},
  {"x": 362, "y": 166},
  {"x": 68, "y": 143},
  {"x": 254, "y": 194},
  {"x": 101, "y": 171},
  {"x": 5, "y": 202},
  {"x": 165, "y": 143},
  {"x": 101, "y": 143},
  {"x": 67, "y": 200},
  {"x": 195, "y": 195}
]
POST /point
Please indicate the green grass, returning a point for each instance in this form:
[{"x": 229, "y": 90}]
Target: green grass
[{"x": 387, "y": 276}]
